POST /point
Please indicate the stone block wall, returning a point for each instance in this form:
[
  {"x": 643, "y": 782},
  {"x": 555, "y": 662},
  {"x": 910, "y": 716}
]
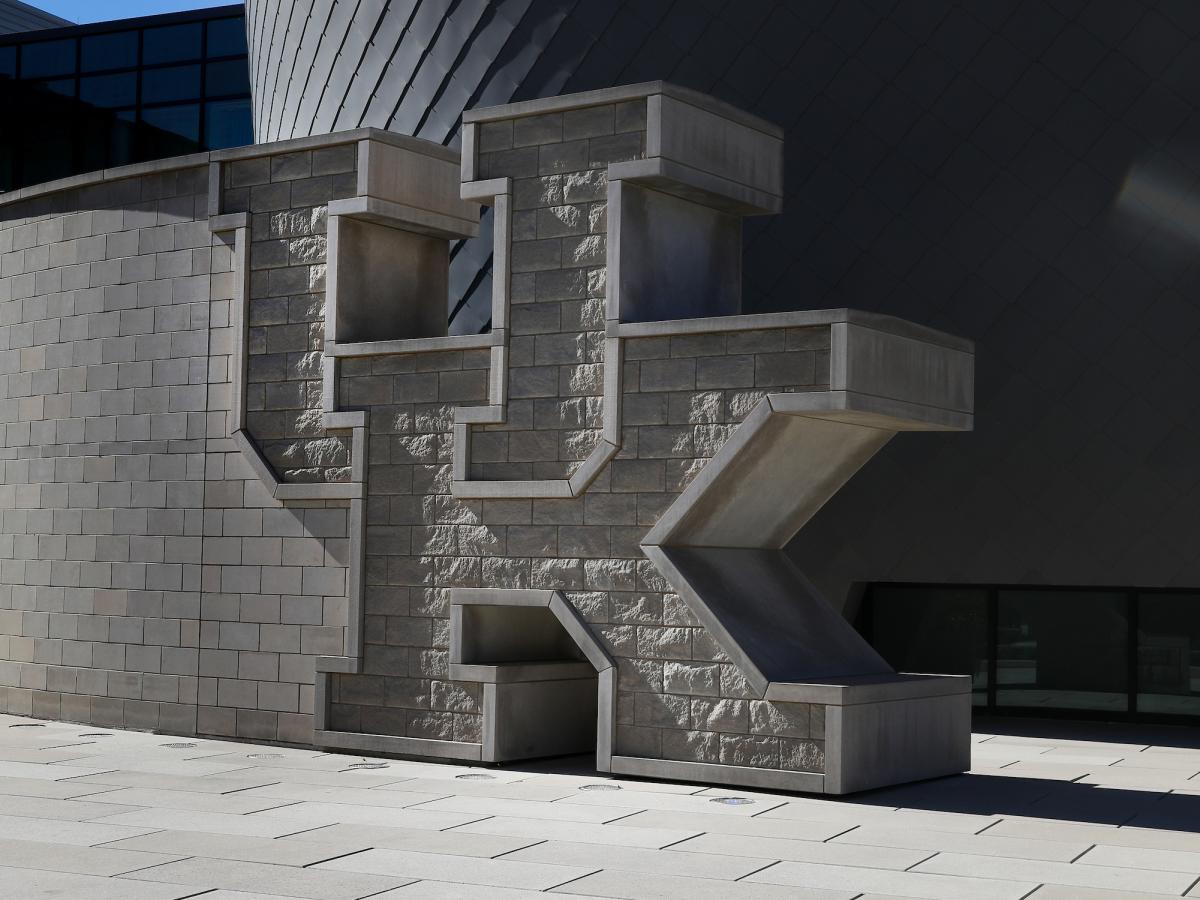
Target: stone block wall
[
  {"x": 559, "y": 166},
  {"x": 147, "y": 578},
  {"x": 678, "y": 697},
  {"x": 287, "y": 195}
]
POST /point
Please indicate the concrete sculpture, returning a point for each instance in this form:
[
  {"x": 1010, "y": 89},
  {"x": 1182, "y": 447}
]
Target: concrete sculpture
[{"x": 561, "y": 535}]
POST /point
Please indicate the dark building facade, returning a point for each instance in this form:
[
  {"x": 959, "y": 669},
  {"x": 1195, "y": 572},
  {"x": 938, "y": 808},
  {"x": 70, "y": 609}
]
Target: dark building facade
[
  {"x": 1021, "y": 173},
  {"x": 92, "y": 97},
  {"x": 16, "y": 16}
]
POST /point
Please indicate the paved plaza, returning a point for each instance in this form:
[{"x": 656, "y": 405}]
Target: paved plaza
[{"x": 1049, "y": 811}]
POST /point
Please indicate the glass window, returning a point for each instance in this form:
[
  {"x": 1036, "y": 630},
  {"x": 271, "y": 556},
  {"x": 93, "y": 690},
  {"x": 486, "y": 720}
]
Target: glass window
[
  {"x": 227, "y": 123},
  {"x": 109, "y": 90},
  {"x": 229, "y": 77},
  {"x": 45, "y": 58},
  {"x": 183, "y": 121},
  {"x": 172, "y": 43},
  {"x": 8, "y": 61},
  {"x": 1063, "y": 650},
  {"x": 107, "y": 138},
  {"x": 227, "y": 37},
  {"x": 1169, "y": 654},
  {"x": 46, "y": 156},
  {"x": 63, "y": 86},
  {"x": 174, "y": 83},
  {"x": 933, "y": 630},
  {"x": 109, "y": 51}
]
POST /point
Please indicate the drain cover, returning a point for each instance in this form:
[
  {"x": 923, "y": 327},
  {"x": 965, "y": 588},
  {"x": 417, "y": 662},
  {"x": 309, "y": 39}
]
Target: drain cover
[
  {"x": 368, "y": 765},
  {"x": 732, "y": 801},
  {"x": 178, "y": 746},
  {"x": 95, "y": 734},
  {"x": 476, "y": 776},
  {"x": 265, "y": 755},
  {"x": 28, "y": 725},
  {"x": 600, "y": 787}
]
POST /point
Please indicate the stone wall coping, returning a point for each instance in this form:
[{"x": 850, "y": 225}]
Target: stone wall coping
[
  {"x": 251, "y": 151},
  {"x": 719, "y": 773},
  {"x": 411, "y": 345},
  {"x": 619, "y": 94},
  {"x": 868, "y": 689},
  {"x": 804, "y": 318}
]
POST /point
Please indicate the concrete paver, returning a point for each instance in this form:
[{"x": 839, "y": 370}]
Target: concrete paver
[
  {"x": 288, "y": 881},
  {"x": 1045, "y": 814}
]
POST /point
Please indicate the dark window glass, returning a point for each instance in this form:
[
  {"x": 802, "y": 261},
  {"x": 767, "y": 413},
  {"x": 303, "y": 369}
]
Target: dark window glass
[
  {"x": 1063, "y": 650},
  {"x": 227, "y": 37},
  {"x": 1169, "y": 654},
  {"x": 183, "y": 121},
  {"x": 933, "y": 630},
  {"x": 227, "y": 123},
  {"x": 8, "y": 179},
  {"x": 109, "y": 51},
  {"x": 172, "y": 43},
  {"x": 45, "y": 58},
  {"x": 8, "y": 61},
  {"x": 174, "y": 83},
  {"x": 47, "y": 155},
  {"x": 63, "y": 86},
  {"x": 229, "y": 77},
  {"x": 109, "y": 90},
  {"x": 107, "y": 138}
]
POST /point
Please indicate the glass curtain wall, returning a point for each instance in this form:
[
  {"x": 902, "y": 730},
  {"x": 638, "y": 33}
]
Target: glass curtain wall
[
  {"x": 93, "y": 97},
  {"x": 1083, "y": 652}
]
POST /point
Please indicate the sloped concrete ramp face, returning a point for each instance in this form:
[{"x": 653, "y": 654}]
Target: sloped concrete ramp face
[
  {"x": 720, "y": 544},
  {"x": 769, "y": 613}
]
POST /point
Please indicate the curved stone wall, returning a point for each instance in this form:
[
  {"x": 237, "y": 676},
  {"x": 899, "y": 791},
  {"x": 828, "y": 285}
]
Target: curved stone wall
[{"x": 147, "y": 577}]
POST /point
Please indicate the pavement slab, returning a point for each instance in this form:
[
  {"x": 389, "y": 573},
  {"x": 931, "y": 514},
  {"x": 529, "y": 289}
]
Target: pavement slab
[
  {"x": 1083, "y": 812},
  {"x": 34, "y": 884},
  {"x": 443, "y": 867},
  {"x": 286, "y": 881}
]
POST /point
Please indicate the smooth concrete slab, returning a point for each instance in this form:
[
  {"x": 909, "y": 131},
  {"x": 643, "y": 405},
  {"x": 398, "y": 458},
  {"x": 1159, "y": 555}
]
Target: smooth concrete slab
[
  {"x": 243, "y": 848},
  {"x": 217, "y": 823},
  {"x": 352, "y": 838},
  {"x": 698, "y": 803},
  {"x": 67, "y": 810},
  {"x": 568, "y": 812},
  {"x": 678, "y": 861},
  {"x": 986, "y": 844},
  {"x": 901, "y": 884},
  {"x": 310, "y": 883},
  {"x": 446, "y": 890},
  {"x": 639, "y": 886},
  {"x": 1076, "y": 875},
  {"x": 758, "y": 826},
  {"x": 312, "y": 815},
  {"x": 237, "y": 804},
  {"x": 441, "y": 867},
  {"x": 52, "y": 790},
  {"x": 69, "y": 834},
  {"x": 214, "y": 784},
  {"x": 102, "y": 861},
  {"x": 34, "y": 884},
  {"x": 1142, "y": 858},
  {"x": 617, "y": 833},
  {"x": 832, "y": 853},
  {"x": 279, "y": 794}
]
